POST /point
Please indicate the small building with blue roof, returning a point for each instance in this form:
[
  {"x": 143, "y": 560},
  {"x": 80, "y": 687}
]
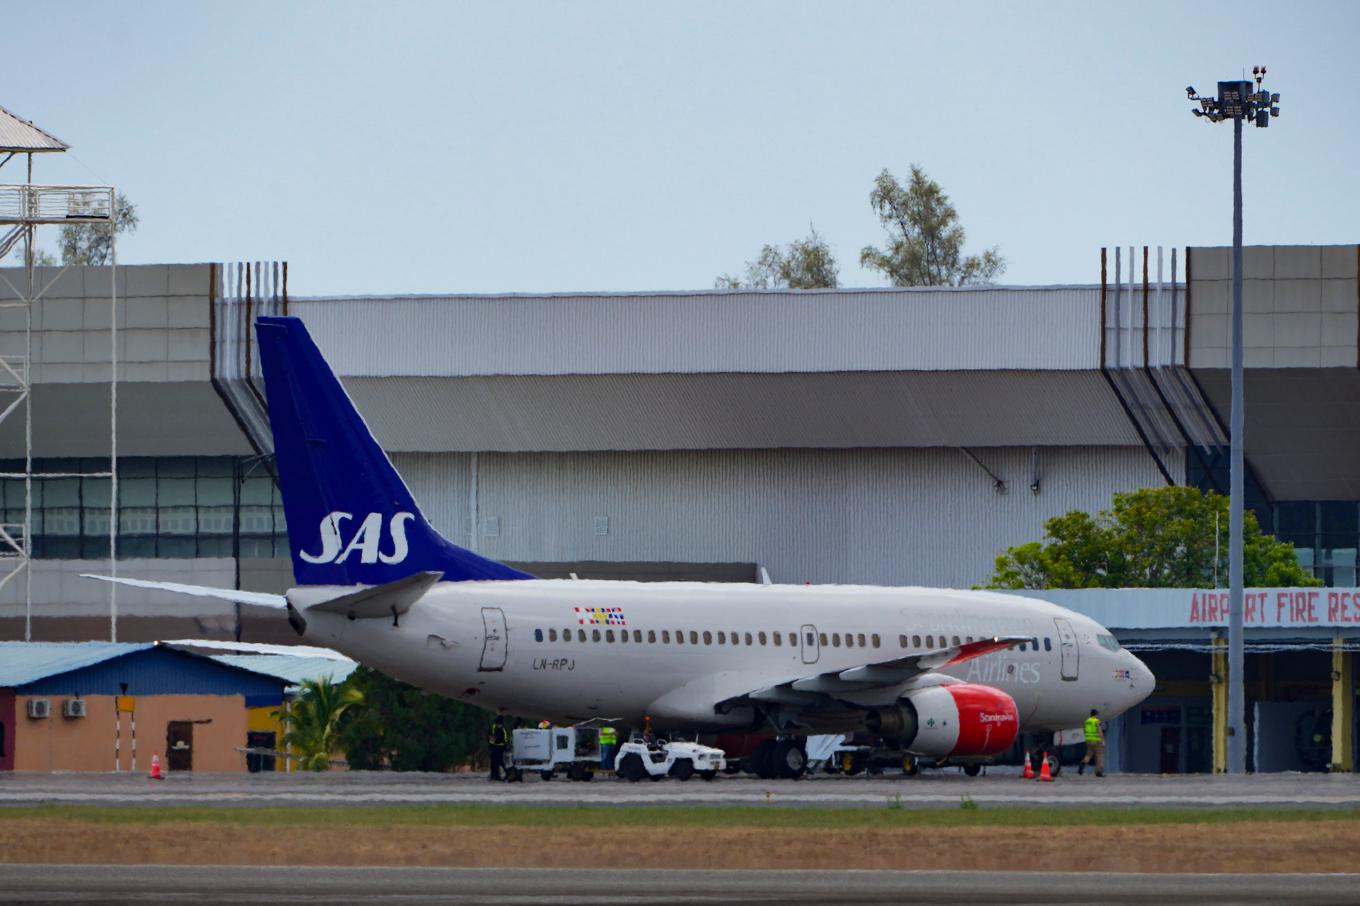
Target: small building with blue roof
[{"x": 104, "y": 706}]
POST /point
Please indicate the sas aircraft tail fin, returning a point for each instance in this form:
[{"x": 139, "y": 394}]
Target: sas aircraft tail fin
[{"x": 351, "y": 518}]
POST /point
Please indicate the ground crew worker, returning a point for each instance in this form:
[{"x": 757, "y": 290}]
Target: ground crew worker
[
  {"x": 1095, "y": 745},
  {"x": 495, "y": 744},
  {"x": 609, "y": 744}
]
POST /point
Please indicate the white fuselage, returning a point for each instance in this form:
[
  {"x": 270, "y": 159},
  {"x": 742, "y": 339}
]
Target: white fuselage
[{"x": 573, "y": 650}]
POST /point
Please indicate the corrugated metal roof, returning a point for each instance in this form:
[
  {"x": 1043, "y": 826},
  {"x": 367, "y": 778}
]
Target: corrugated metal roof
[
  {"x": 292, "y": 670},
  {"x": 27, "y": 662},
  {"x": 18, "y": 134}
]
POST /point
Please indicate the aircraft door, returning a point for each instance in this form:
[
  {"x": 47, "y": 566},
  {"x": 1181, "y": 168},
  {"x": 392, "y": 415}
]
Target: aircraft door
[
  {"x": 1067, "y": 644},
  {"x": 494, "y": 640},
  {"x": 812, "y": 650}
]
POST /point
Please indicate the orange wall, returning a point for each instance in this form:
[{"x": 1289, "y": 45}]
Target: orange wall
[{"x": 86, "y": 744}]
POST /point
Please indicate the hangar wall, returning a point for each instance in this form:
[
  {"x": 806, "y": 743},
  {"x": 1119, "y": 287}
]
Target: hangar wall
[{"x": 885, "y": 516}]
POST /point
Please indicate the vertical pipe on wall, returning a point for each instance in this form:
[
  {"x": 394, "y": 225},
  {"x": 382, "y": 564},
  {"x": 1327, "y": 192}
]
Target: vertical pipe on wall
[{"x": 472, "y": 503}]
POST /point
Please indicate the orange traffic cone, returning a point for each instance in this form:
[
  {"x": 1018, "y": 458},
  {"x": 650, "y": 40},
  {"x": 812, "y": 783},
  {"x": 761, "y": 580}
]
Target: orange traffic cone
[
  {"x": 156, "y": 768},
  {"x": 1029, "y": 766},
  {"x": 1044, "y": 772}
]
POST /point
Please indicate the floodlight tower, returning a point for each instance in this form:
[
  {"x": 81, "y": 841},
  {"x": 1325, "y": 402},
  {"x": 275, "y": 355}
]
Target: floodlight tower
[{"x": 1236, "y": 101}]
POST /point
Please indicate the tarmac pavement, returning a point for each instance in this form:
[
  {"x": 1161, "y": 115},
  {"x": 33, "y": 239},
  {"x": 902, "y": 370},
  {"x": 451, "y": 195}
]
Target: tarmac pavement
[
  {"x": 937, "y": 789},
  {"x": 215, "y": 885}
]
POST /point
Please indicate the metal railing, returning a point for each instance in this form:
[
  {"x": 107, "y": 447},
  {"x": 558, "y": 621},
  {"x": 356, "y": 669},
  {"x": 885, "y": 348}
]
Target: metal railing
[{"x": 56, "y": 204}]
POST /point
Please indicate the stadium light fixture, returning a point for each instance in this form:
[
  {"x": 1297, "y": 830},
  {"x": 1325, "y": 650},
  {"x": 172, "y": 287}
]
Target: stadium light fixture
[{"x": 1236, "y": 100}]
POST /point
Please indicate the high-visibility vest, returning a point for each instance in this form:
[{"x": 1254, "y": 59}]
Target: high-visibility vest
[
  {"x": 1093, "y": 729},
  {"x": 497, "y": 736},
  {"x": 608, "y": 736}
]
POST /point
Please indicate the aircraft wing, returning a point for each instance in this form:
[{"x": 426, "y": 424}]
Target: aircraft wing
[{"x": 878, "y": 675}]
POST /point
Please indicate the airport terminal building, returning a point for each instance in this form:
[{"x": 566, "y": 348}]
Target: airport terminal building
[{"x": 885, "y": 436}]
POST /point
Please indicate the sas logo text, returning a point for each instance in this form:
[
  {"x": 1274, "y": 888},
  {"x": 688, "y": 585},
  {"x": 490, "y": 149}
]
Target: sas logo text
[{"x": 367, "y": 540}]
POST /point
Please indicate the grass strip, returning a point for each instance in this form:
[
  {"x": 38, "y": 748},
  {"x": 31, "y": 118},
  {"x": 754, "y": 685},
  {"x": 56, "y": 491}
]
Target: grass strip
[{"x": 588, "y": 816}]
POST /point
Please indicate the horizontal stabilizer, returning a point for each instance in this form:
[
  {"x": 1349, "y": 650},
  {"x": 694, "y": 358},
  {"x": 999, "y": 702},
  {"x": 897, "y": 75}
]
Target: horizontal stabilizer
[
  {"x": 389, "y": 600},
  {"x": 259, "y": 598}
]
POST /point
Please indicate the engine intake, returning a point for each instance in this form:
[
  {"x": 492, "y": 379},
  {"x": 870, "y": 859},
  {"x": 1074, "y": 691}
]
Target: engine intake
[{"x": 958, "y": 719}]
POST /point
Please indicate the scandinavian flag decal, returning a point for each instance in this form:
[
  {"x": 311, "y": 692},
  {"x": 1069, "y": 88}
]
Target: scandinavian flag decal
[{"x": 600, "y": 616}]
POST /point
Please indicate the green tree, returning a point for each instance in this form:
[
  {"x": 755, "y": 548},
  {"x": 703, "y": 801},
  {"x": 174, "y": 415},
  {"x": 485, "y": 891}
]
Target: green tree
[
  {"x": 312, "y": 721},
  {"x": 402, "y": 728},
  {"x": 1151, "y": 538},
  {"x": 925, "y": 240},
  {"x": 802, "y": 264},
  {"x": 92, "y": 243}
]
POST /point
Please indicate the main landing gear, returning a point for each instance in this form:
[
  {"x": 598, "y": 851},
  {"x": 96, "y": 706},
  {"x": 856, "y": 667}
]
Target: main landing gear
[{"x": 779, "y": 759}]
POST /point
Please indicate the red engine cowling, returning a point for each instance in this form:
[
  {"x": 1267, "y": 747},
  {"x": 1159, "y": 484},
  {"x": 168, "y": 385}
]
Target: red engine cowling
[{"x": 958, "y": 719}]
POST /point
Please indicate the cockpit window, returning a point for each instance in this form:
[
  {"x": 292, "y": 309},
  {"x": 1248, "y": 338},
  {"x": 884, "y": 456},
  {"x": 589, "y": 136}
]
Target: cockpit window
[{"x": 1108, "y": 641}]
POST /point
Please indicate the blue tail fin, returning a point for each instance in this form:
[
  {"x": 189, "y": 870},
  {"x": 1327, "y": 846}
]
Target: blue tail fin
[{"x": 351, "y": 519}]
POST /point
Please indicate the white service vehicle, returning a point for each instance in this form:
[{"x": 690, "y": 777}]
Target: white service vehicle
[
  {"x": 573, "y": 750},
  {"x": 678, "y": 759}
]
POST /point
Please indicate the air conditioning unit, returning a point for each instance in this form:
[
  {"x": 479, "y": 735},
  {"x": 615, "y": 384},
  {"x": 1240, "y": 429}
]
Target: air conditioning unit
[
  {"x": 73, "y": 707},
  {"x": 39, "y": 708}
]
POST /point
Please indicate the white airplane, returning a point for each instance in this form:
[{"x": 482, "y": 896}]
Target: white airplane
[{"x": 950, "y": 675}]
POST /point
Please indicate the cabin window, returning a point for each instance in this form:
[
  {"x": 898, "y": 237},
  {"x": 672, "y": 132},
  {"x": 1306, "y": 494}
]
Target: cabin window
[
  {"x": 749, "y": 640},
  {"x": 1048, "y": 643},
  {"x": 552, "y": 635},
  {"x": 693, "y": 637},
  {"x": 1023, "y": 646},
  {"x": 623, "y": 635},
  {"x": 679, "y": 636},
  {"x": 916, "y": 641},
  {"x": 1036, "y": 643},
  {"x": 665, "y": 636},
  {"x": 581, "y": 635},
  {"x": 849, "y": 640},
  {"x": 778, "y": 639},
  {"x": 957, "y": 643},
  {"x": 538, "y": 635},
  {"x": 708, "y": 637},
  {"x": 821, "y": 637},
  {"x": 930, "y": 641},
  {"x": 859, "y": 639},
  {"x": 594, "y": 635},
  {"x": 722, "y": 637},
  {"x": 651, "y": 636},
  {"x": 762, "y": 638},
  {"x": 902, "y": 640},
  {"x": 874, "y": 638},
  {"x": 811, "y": 640}
]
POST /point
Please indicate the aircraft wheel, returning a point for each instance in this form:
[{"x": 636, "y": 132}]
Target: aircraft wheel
[
  {"x": 546, "y": 775},
  {"x": 514, "y": 775},
  {"x": 761, "y": 760},
  {"x": 683, "y": 769},
  {"x": 708, "y": 775},
  {"x": 631, "y": 767},
  {"x": 909, "y": 766},
  {"x": 789, "y": 760},
  {"x": 586, "y": 776},
  {"x": 972, "y": 770}
]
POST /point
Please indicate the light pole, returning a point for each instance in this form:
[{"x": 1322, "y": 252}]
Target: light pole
[{"x": 1236, "y": 101}]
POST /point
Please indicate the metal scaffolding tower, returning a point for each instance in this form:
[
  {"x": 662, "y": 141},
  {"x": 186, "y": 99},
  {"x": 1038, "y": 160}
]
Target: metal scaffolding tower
[{"x": 24, "y": 208}]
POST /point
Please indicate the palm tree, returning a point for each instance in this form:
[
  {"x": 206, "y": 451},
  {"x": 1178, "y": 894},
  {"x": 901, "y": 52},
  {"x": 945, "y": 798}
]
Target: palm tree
[{"x": 312, "y": 719}]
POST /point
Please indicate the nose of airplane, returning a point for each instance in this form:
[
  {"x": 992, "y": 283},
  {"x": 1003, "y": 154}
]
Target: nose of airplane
[{"x": 1143, "y": 680}]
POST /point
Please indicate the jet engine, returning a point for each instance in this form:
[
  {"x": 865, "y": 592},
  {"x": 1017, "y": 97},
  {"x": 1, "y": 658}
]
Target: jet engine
[{"x": 958, "y": 719}]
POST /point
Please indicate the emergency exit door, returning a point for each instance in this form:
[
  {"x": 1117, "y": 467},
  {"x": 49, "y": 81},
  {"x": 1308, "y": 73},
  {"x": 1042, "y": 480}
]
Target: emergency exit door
[
  {"x": 812, "y": 649},
  {"x": 1067, "y": 644},
  {"x": 494, "y": 638}
]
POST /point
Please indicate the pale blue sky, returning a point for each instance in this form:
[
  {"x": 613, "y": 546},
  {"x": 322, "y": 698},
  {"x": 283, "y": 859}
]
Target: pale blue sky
[{"x": 482, "y": 147}]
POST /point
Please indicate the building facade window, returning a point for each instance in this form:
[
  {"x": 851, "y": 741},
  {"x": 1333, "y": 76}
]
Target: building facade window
[{"x": 168, "y": 507}]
